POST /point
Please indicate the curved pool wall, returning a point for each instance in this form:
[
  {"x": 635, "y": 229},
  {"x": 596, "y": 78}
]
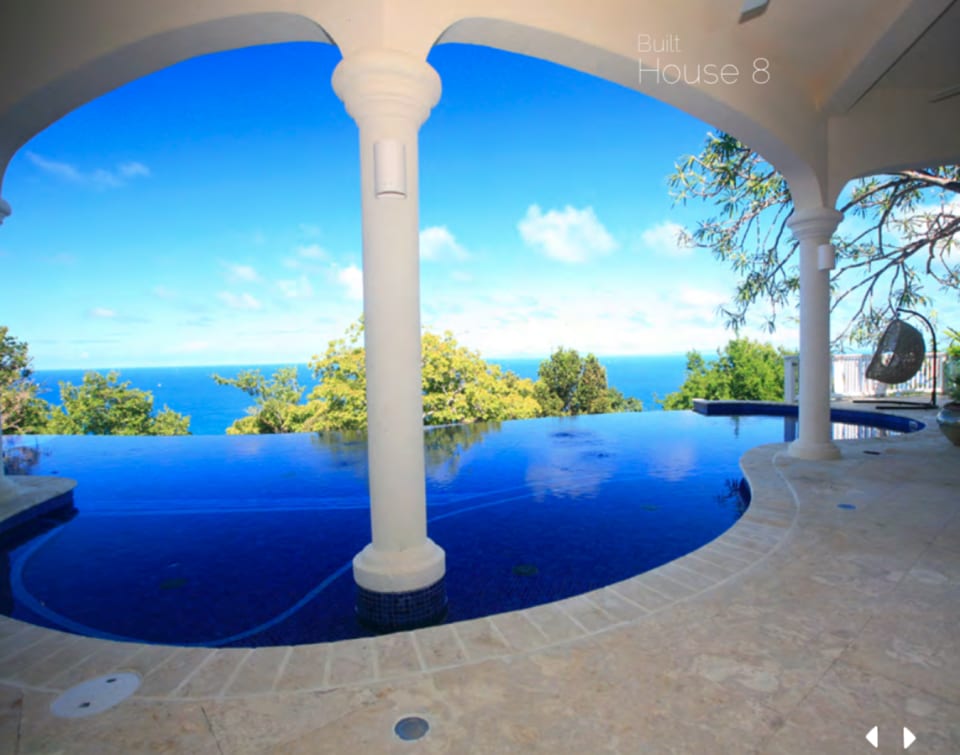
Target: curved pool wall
[
  {"x": 247, "y": 540},
  {"x": 852, "y": 417}
]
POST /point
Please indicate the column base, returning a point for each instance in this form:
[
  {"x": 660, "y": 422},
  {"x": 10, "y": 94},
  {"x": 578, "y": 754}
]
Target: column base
[
  {"x": 401, "y": 589},
  {"x": 399, "y": 611},
  {"x": 827, "y": 451}
]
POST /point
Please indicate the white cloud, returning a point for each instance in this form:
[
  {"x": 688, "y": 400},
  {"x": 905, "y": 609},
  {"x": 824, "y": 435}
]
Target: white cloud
[
  {"x": 306, "y": 257},
  {"x": 568, "y": 235},
  {"x": 99, "y": 178},
  {"x": 133, "y": 169},
  {"x": 162, "y": 292},
  {"x": 608, "y": 320},
  {"x": 312, "y": 252},
  {"x": 241, "y": 273},
  {"x": 239, "y": 301},
  {"x": 102, "y": 312},
  {"x": 351, "y": 278},
  {"x": 438, "y": 243},
  {"x": 664, "y": 239},
  {"x": 298, "y": 288}
]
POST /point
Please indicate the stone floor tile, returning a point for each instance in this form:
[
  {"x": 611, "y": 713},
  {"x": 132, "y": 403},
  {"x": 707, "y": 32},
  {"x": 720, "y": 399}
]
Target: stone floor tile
[
  {"x": 165, "y": 678},
  {"x": 440, "y": 647},
  {"x": 518, "y": 631},
  {"x": 554, "y": 622},
  {"x": 105, "y": 658},
  {"x": 307, "y": 667},
  {"x": 133, "y": 726},
  {"x": 618, "y": 608},
  {"x": 586, "y": 613},
  {"x": 481, "y": 639},
  {"x": 259, "y": 671},
  {"x": 352, "y": 661},
  {"x": 397, "y": 655},
  {"x": 212, "y": 678}
]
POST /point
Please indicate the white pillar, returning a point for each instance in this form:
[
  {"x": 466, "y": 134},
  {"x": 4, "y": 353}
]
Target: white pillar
[
  {"x": 389, "y": 94},
  {"x": 8, "y": 488},
  {"x": 814, "y": 227}
]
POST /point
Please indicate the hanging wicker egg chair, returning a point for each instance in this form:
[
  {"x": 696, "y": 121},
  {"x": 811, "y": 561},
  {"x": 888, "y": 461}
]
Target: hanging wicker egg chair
[{"x": 899, "y": 355}]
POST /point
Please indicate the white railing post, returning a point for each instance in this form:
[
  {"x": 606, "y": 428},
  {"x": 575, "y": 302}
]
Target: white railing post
[
  {"x": 849, "y": 377},
  {"x": 791, "y": 363}
]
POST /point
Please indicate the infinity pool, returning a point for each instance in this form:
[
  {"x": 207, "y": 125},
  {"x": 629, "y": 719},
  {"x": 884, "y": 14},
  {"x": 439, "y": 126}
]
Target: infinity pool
[{"x": 248, "y": 540}]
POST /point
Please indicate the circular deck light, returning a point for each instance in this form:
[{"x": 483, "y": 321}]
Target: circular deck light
[{"x": 411, "y": 728}]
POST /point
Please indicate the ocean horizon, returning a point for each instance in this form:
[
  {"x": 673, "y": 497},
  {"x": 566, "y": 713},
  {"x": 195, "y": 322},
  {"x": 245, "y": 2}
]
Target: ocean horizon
[{"x": 212, "y": 408}]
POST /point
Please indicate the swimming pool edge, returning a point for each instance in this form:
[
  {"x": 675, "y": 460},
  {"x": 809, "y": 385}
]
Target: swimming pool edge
[{"x": 46, "y": 660}]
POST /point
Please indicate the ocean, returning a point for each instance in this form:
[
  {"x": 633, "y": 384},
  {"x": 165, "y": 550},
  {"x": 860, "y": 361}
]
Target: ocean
[{"x": 212, "y": 408}]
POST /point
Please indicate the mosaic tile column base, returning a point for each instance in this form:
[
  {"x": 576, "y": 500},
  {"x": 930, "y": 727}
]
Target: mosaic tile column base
[{"x": 396, "y": 611}]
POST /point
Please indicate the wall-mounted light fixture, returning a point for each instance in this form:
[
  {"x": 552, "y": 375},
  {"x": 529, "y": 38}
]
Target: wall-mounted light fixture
[
  {"x": 752, "y": 9},
  {"x": 826, "y": 257},
  {"x": 390, "y": 168}
]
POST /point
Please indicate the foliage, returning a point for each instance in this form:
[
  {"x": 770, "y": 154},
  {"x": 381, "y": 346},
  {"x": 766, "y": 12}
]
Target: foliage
[
  {"x": 744, "y": 370},
  {"x": 952, "y": 373},
  {"x": 276, "y": 400},
  {"x": 22, "y": 411},
  {"x": 339, "y": 400},
  {"x": 459, "y": 386},
  {"x": 907, "y": 224},
  {"x": 102, "y": 406},
  {"x": 953, "y": 348},
  {"x": 569, "y": 384}
]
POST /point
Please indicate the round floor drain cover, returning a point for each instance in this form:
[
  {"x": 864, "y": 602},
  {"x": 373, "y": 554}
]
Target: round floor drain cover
[
  {"x": 95, "y": 695},
  {"x": 411, "y": 727}
]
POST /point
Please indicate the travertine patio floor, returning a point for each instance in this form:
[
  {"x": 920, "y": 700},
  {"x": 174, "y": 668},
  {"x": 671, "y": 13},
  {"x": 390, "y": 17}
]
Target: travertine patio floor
[{"x": 797, "y": 631}]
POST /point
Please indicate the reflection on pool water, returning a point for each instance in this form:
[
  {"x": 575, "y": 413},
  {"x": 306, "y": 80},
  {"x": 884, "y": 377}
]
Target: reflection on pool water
[{"x": 248, "y": 540}]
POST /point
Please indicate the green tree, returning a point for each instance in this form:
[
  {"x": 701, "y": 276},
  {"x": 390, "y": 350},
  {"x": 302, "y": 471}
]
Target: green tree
[
  {"x": 22, "y": 411},
  {"x": 458, "y": 386},
  {"x": 559, "y": 376},
  {"x": 744, "y": 370},
  {"x": 102, "y": 406},
  {"x": 276, "y": 409},
  {"x": 905, "y": 237},
  {"x": 339, "y": 400},
  {"x": 569, "y": 384}
]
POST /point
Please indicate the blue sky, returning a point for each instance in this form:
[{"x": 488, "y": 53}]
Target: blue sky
[{"x": 209, "y": 214}]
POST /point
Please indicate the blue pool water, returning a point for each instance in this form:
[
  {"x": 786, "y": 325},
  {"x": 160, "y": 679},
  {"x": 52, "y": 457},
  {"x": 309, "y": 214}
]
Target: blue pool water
[{"x": 248, "y": 540}]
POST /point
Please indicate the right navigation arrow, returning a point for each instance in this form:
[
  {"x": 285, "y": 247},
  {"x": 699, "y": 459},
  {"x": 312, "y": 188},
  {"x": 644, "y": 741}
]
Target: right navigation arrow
[{"x": 908, "y": 738}]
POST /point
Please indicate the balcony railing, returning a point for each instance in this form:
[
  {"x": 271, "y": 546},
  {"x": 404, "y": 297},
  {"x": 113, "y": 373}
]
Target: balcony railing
[{"x": 849, "y": 381}]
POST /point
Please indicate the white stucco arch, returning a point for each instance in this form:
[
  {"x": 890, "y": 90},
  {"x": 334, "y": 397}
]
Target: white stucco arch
[
  {"x": 135, "y": 57},
  {"x": 805, "y": 173}
]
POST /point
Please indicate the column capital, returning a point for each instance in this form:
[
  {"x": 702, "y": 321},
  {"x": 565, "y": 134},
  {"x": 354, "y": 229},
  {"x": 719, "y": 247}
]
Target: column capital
[
  {"x": 378, "y": 83},
  {"x": 814, "y": 223},
  {"x": 4, "y": 210}
]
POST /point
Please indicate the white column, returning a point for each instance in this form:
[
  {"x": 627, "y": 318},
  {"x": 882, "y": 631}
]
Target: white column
[
  {"x": 814, "y": 227},
  {"x": 389, "y": 94},
  {"x": 8, "y": 488}
]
